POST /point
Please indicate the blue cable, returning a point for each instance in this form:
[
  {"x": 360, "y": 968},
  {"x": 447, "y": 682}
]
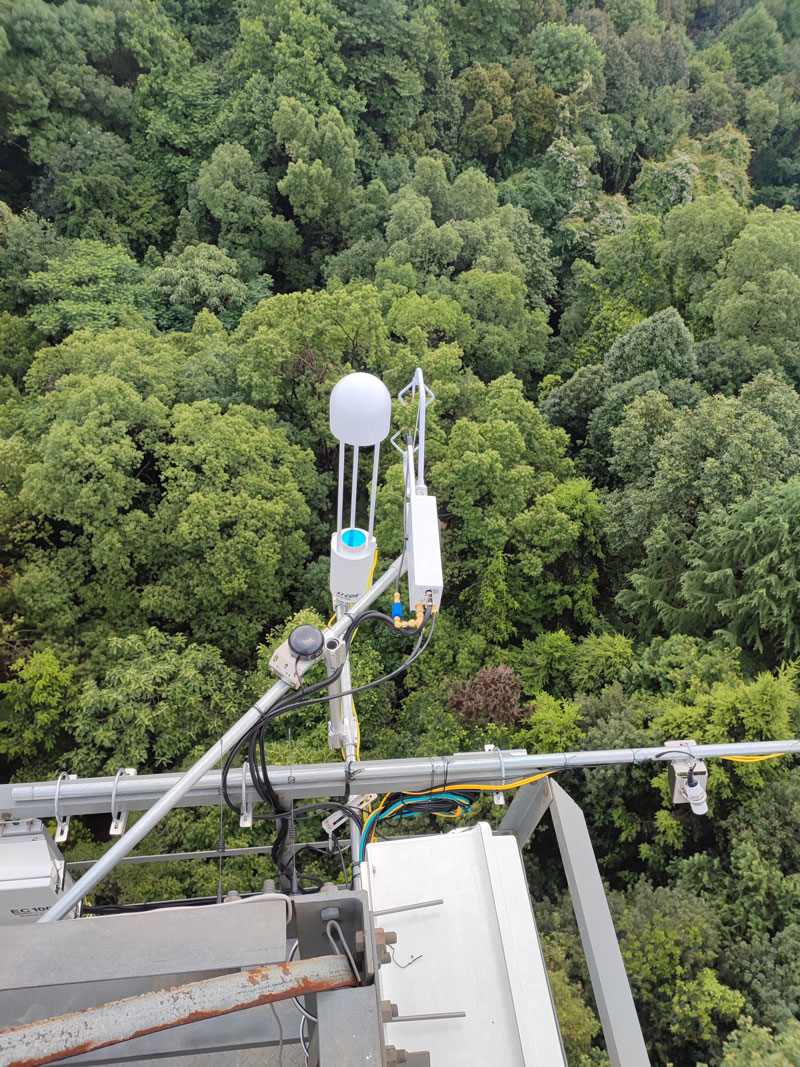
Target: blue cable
[{"x": 395, "y": 810}]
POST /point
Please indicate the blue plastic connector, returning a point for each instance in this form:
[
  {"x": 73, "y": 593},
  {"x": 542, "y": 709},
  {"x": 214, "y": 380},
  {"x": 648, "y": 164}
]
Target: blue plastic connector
[{"x": 397, "y": 611}]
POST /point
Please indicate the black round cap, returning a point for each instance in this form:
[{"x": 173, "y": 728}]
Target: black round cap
[{"x": 306, "y": 641}]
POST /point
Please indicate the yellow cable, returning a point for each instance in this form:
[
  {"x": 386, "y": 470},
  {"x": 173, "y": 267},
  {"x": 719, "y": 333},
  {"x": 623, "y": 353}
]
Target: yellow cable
[
  {"x": 456, "y": 787},
  {"x": 484, "y": 788},
  {"x": 374, "y": 565},
  {"x": 753, "y": 759}
]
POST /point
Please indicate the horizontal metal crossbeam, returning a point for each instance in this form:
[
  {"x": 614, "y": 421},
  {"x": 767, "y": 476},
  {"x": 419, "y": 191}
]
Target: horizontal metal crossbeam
[{"x": 87, "y": 796}]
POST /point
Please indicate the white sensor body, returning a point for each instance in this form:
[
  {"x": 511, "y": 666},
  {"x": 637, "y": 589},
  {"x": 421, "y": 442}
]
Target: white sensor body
[
  {"x": 352, "y": 561},
  {"x": 696, "y": 795},
  {"x": 680, "y": 770}
]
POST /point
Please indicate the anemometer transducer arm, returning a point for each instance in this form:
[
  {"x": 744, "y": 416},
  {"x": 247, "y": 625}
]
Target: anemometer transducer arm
[{"x": 421, "y": 518}]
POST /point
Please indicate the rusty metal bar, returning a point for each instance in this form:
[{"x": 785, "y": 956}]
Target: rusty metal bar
[{"x": 121, "y": 1020}]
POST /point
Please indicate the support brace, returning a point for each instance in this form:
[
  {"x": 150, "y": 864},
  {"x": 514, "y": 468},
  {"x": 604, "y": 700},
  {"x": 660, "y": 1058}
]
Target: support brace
[{"x": 612, "y": 991}]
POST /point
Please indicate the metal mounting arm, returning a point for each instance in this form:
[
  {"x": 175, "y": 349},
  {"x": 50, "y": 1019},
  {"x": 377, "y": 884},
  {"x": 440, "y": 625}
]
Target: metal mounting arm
[{"x": 217, "y": 752}]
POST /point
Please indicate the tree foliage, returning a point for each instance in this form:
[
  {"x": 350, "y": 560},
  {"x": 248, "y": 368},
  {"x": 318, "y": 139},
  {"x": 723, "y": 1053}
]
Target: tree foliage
[{"x": 582, "y": 224}]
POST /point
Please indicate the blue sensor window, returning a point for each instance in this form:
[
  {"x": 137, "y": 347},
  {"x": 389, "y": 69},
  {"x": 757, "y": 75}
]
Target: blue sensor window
[{"x": 354, "y": 538}]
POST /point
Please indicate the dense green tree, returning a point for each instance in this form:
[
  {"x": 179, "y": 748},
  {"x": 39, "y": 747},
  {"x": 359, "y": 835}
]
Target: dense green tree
[
  {"x": 83, "y": 493},
  {"x": 669, "y": 940},
  {"x": 134, "y": 356},
  {"x": 526, "y": 200},
  {"x": 563, "y": 56},
  {"x": 757, "y": 294},
  {"x": 230, "y": 202},
  {"x": 322, "y": 154},
  {"x": 696, "y": 235},
  {"x": 50, "y": 83},
  {"x": 506, "y": 488},
  {"x": 488, "y": 122},
  {"x": 661, "y": 343},
  {"x": 629, "y": 264},
  {"x": 202, "y": 276},
  {"x": 89, "y": 285},
  {"x": 293, "y": 348},
  {"x": 739, "y": 572},
  {"x": 289, "y": 49},
  {"x": 505, "y": 335},
  {"x": 93, "y": 188},
  {"x": 678, "y": 464},
  {"x": 177, "y": 104},
  {"x": 229, "y": 535},
  {"x": 724, "y": 366},
  {"x": 35, "y": 704},
  {"x": 570, "y": 405},
  {"x": 26, "y": 244},
  {"x": 756, "y": 45},
  {"x": 758, "y": 1044},
  {"x": 18, "y": 342},
  {"x": 160, "y": 700}
]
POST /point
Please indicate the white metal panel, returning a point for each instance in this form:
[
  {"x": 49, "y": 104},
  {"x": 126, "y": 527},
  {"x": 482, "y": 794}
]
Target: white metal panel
[{"x": 478, "y": 952}]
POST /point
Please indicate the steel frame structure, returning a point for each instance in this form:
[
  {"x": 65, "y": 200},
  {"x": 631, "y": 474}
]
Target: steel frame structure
[{"x": 201, "y": 785}]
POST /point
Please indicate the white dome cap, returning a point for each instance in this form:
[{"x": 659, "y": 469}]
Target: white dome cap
[{"x": 361, "y": 410}]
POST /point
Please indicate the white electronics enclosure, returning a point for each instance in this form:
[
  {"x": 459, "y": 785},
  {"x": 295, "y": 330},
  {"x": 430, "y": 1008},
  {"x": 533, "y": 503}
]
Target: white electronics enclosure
[
  {"x": 477, "y": 952},
  {"x": 425, "y": 580},
  {"x": 32, "y": 872}
]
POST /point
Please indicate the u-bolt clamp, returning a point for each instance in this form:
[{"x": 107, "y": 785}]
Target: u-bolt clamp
[
  {"x": 246, "y": 811},
  {"x": 62, "y": 821},
  {"x": 119, "y": 819},
  {"x": 498, "y": 796}
]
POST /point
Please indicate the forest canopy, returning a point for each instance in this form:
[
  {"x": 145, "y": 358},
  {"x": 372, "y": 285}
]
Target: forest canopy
[{"x": 583, "y": 224}]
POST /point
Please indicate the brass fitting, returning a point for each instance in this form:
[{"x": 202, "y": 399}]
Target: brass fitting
[{"x": 414, "y": 623}]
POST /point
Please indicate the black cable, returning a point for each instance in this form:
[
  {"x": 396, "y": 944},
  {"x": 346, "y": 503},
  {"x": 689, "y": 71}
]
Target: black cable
[
  {"x": 255, "y": 740},
  {"x": 281, "y": 709},
  {"x": 286, "y": 704},
  {"x": 324, "y": 805}
]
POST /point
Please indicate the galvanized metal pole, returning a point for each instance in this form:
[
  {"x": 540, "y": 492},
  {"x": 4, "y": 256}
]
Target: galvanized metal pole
[
  {"x": 155, "y": 814},
  {"x": 109, "y": 1024},
  {"x": 35, "y": 800},
  {"x": 217, "y": 752}
]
